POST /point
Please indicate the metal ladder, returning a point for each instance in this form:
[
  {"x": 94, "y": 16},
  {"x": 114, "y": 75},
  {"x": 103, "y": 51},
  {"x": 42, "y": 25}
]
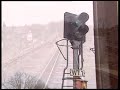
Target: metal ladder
[
  {"x": 64, "y": 71},
  {"x": 67, "y": 78}
]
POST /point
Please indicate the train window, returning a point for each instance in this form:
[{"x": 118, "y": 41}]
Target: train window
[{"x": 37, "y": 47}]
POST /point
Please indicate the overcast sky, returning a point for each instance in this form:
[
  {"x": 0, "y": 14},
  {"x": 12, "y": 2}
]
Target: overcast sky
[{"x": 19, "y": 13}]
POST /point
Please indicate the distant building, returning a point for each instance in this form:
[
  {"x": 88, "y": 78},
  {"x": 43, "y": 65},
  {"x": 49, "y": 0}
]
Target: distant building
[{"x": 29, "y": 36}]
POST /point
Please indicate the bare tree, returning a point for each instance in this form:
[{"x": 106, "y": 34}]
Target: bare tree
[{"x": 23, "y": 81}]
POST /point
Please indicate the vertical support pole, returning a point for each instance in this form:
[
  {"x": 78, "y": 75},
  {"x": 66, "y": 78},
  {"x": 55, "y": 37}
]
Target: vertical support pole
[
  {"x": 75, "y": 59},
  {"x": 81, "y": 52},
  {"x": 67, "y": 52},
  {"x": 75, "y": 65},
  {"x": 78, "y": 50},
  {"x": 75, "y": 47}
]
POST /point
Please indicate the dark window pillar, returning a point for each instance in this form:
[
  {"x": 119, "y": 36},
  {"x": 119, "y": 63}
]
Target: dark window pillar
[{"x": 106, "y": 43}]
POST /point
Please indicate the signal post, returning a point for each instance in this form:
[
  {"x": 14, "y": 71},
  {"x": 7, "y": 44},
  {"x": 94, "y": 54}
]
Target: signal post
[{"x": 75, "y": 30}]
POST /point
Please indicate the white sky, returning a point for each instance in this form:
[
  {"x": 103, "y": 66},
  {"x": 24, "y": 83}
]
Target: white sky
[{"x": 19, "y": 13}]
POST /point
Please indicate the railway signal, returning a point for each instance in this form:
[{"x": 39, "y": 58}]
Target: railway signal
[
  {"x": 74, "y": 26},
  {"x": 75, "y": 29}
]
